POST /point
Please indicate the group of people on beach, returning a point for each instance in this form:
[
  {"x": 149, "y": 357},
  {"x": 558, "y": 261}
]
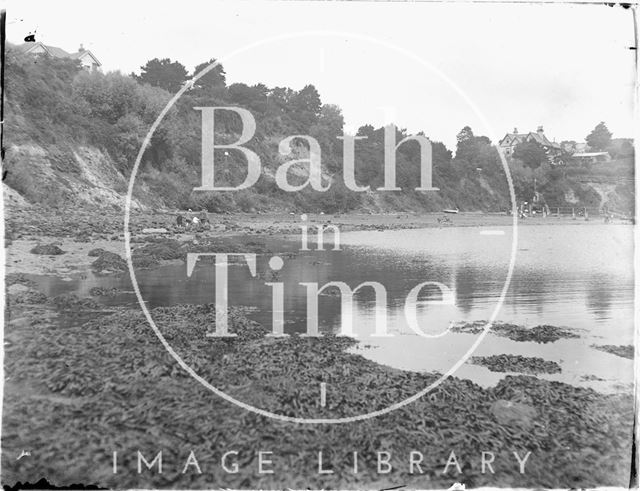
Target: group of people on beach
[{"x": 199, "y": 221}]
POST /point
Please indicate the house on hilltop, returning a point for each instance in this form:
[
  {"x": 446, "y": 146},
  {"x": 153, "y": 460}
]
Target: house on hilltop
[
  {"x": 510, "y": 140},
  {"x": 87, "y": 59}
]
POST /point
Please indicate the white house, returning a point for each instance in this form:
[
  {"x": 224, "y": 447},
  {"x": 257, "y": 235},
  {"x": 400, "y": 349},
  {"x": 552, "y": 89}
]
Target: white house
[
  {"x": 510, "y": 140},
  {"x": 87, "y": 59}
]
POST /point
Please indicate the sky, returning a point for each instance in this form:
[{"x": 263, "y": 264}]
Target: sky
[{"x": 432, "y": 67}]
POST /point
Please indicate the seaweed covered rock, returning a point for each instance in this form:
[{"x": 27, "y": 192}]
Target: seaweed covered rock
[
  {"x": 162, "y": 250},
  {"x": 109, "y": 262},
  {"x": 98, "y": 291},
  {"x": 28, "y": 296},
  {"x": 517, "y": 364},
  {"x": 18, "y": 279},
  {"x": 622, "y": 351},
  {"x": 71, "y": 301},
  {"x": 96, "y": 252},
  {"x": 538, "y": 334},
  {"x": 143, "y": 260},
  {"x": 157, "y": 250},
  {"x": 47, "y": 250}
]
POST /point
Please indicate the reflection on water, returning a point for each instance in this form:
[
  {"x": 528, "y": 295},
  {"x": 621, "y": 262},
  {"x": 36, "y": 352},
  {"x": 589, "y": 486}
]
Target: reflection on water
[{"x": 576, "y": 276}]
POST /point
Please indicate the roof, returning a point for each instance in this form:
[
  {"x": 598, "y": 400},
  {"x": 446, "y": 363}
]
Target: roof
[
  {"x": 86, "y": 52},
  {"x": 543, "y": 140},
  {"x": 512, "y": 135},
  {"x": 57, "y": 52},
  {"x": 538, "y": 137},
  {"x": 591, "y": 154}
]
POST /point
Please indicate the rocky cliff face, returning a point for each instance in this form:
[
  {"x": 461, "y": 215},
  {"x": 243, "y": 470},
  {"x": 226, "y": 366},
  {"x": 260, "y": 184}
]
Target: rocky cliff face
[{"x": 81, "y": 176}]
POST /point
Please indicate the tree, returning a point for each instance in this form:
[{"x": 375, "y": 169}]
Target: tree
[
  {"x": 280, "y": 97},
  {"x": 366, "y": 130},
  {"x": 326, "y": 131},
  {"x": 251, "y": 97},
  {"x": 331, "y": 117},
  {"x": 307, "y": 100},
  {"x": 306, "y": 105},
  {"x": 530, "y": 154},
  {"x": 214, "y": 78},
  {"x": 463, "y": 138},
  {"x": 470, "y": 147},
  {"x": 620, "y": 148},
  {"x": 599, "y": 138},
  {"x": 167, "y": 74}
]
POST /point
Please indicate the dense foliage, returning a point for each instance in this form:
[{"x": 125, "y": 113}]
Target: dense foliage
[
  {"x": 54, "y": 104},
  {"x": 600, "y": 138}
]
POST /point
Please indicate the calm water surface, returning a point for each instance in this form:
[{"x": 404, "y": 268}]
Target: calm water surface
[{"x": 577, "y": 276}]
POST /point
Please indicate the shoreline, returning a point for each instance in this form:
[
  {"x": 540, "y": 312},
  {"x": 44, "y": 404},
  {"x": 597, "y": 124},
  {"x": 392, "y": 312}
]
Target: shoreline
[
  {"x": 78, "y": 233},
  {"x": 70, "y": 357}
]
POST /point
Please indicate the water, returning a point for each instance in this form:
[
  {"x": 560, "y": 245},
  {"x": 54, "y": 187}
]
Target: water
[{"x": 576, "y": 276}]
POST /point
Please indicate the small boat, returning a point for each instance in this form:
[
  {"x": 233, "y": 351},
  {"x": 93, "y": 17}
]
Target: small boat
[{"x": 451, "y": 211}]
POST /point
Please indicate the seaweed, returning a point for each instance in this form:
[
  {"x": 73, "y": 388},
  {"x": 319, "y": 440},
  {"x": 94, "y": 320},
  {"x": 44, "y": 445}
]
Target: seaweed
[
  {"x": 144, "y": 261},
  {"x": 626, "y": 351},
  {"x": 98, "y": 291},
  {"x": 47, "y": 250},
  {"x": 109, "y": 262},
  {"x": 96, "y": 252},
  {"x": 18, "y": 279},
  {"x": 513, "y": 413},
  {"x": 109, "y": 384},
  {"x": 70, "y": 301},
  {"x": 166, "y": 249},
  {"x": 517, "y": 364},
  {"x": 29, "y": 297},
  {"x": 539, "y": 334}
]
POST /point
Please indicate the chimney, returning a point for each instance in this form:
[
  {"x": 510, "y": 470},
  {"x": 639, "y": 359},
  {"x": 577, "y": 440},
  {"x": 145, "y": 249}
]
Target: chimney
[
  {"x": 515, "y": 130},
  {"x": 81, "y": 48},
  {"x": 540, "y": 130}
]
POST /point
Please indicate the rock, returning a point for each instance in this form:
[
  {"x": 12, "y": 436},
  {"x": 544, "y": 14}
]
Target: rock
[
  {"x": 96, "y": 252},
  {"x": 28, "y": 297},
  {"x": 98, "y": 291},
  {"x": 70, "y": 301},
  {"x": 538, "y": 334},
  {"x": 166, "y": 249},
  {"x": 509, "y": 413},
  {"x": 47, "y": 250},
  {"x": 517, "y": 364},
  {"x": 109, "y": 261},
  {"x": 17, "y": 288},
  {"x": 144, "y": 261},
  {"x": 622, "y": 351},
  {"x": 18, "y": 278}
]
